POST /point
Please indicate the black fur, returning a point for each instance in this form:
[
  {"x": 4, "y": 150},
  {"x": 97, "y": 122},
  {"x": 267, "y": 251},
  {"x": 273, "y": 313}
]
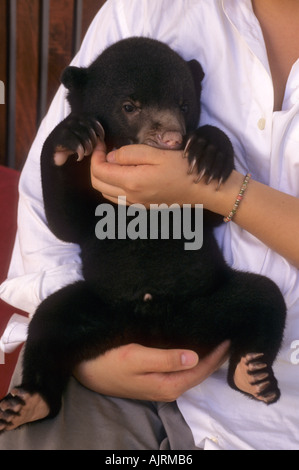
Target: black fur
[{"x": 196, "y": 301}]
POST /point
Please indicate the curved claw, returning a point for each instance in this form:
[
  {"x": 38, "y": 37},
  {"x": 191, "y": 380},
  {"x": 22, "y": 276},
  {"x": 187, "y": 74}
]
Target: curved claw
[
  {"x": 200, "y": 176},
  {"x": 88, "y": 147},
  {"x": 91, "y": 143},
  {"x": 100, "y": 130},
  {"x": 210, "y": 179},
  {"x": 93, "y": 138},
  {"x": 219, "y": 183},
  {"x": 192, "y": 166},
  {"x": 81, "y": 153},
  {"x": 187, "y": 146}
]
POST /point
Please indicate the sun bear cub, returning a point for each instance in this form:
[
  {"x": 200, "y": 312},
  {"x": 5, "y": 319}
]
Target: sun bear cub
[{"x": 153, "y": 291}]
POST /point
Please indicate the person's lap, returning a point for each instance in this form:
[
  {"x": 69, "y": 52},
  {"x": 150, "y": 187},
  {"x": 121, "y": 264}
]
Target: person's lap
[{"x": 89, "y": 421}]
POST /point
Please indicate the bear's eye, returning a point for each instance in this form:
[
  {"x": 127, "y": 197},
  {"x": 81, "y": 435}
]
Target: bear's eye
[
  {"x": 129, "y": 108},
  {"x": 184, "y": 108}
]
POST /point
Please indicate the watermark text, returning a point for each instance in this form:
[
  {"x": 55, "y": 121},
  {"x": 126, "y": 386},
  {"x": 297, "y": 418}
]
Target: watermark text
[
  {"x": 160, "y": 222},
  {"x": 295, "y": 353}
]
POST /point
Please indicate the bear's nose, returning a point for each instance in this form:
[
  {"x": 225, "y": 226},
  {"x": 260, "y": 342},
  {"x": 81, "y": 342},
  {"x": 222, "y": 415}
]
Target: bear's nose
[{"x": 171, "y": 139}]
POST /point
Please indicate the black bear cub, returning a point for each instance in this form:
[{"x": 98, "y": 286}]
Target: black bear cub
[{"x": 150, "y": 291}]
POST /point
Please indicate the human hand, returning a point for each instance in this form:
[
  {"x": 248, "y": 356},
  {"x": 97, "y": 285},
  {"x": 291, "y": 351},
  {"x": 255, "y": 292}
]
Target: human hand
[
  {"x": 147, "y": 175},
  {"x": 137, "y": 372}
]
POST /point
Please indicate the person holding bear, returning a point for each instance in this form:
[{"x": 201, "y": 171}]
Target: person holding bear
[{"x": 259, "y": 113}]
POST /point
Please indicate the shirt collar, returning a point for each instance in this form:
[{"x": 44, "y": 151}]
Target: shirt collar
[{"x": 242, "y": 17}]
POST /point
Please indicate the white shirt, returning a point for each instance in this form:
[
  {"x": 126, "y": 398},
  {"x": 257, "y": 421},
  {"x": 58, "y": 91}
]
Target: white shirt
[{"x": 226, "y": 38}]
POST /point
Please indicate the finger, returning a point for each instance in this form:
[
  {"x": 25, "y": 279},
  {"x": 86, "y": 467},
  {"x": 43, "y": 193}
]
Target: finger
[
  {"x": 173, "y": 360},
  {"x": 108, "y": 190},
  {"x": 132, "y": 164},
  {"x": 104, "y": 176},
  {"x": 175, "y": 384},
  {"x": 104, "y": 171},
  {"x": 121, "y": 199},
  {"x": 138, "y": 155},
  {"x": 100, "y": 150},
  {"x": 205, "y": 367},
  {"x": 130, "y": 179},
  {"x": 216, "y": 358},
  {"x": 154, "y": 360}
]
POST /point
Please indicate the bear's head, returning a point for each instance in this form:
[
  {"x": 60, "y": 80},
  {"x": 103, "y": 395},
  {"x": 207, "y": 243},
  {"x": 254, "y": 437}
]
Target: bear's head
[{"x": 141, "y": 91}]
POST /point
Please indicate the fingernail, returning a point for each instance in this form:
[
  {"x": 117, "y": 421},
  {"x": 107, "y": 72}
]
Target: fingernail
[
  {"x": 111, "y": 157},
  {"x": 189, "y": 358}
]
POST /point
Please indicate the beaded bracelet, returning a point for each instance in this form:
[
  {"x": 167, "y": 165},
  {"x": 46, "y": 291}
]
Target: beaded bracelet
[{"x": 239, "y": 198}]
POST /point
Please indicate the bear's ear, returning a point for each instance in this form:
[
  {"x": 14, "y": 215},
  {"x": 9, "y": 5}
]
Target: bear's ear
[
  {"x": 197, "y": 73},
  {"x": 196, "y": 69},
  {"x": 74, "y": 77}
]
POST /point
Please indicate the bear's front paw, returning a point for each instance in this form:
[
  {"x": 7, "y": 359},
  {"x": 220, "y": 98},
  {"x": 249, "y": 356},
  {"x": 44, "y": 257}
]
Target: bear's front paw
[
  {"x": 210, "y": 155},
  {"x": 76, "y": 135}
]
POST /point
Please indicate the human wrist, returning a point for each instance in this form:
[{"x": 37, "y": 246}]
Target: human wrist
[{"x": 219, "y": 200}]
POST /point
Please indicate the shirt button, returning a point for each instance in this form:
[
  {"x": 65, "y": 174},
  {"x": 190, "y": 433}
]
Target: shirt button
[{"x": 261, "y": 124}]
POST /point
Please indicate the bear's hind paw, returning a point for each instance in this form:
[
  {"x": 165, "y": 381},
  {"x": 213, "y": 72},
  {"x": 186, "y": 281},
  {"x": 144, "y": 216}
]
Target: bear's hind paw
[
  {"x": 255, "y": 377},
  {"x": 20, "y": 407}
]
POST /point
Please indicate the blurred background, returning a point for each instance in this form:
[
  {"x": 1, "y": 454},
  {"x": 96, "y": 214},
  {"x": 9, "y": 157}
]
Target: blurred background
[{"x": 38, "y": 38}]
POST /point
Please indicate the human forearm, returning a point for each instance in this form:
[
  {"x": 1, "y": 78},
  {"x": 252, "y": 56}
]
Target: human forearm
[{"x": 270, "y": 215}]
